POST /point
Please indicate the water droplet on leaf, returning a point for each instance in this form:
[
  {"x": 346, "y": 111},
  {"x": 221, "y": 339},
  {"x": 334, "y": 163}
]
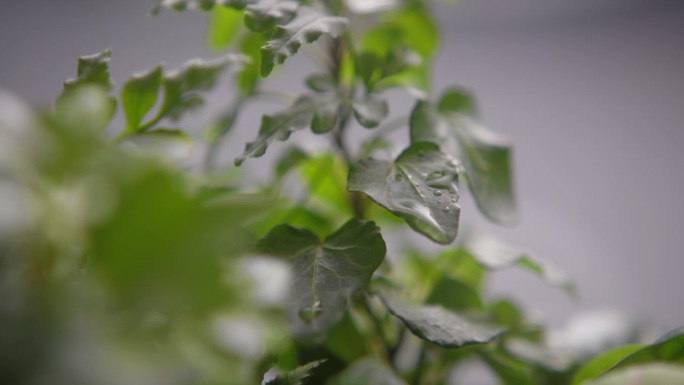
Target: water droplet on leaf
[{"x": 310, "y": 313}]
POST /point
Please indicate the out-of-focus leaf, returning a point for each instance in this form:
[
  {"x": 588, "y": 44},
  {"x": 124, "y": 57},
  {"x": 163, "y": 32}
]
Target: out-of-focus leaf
[
  {"x": 139, "y": 95},
  {"x": 264, "y": 15},
  {"x": 327, "y": 272},
  {"x": 368, "y": 372},
  {"x": 345, "y": 341},
  {"x": 306, "y": 28},
  {"x": 85, "y": 109},
  {"x": 484, "y": 153},
  {"x": 645, "y": 374},
  {"x": 371, "y": 6},
  {"x": 495, "y": 255},
  {"x": 316, "y": 111},
  {"x": 289, "y": 160},
  {"x": 248, "y": 77},
  {"x": 325, "y": 179},
  {"x": 440, "y": 326},
  {"x": 321, "y": 83},
  {"x": 419, "y": 186},
  {"x": 509, "y": 370},
  {"x": 370, "y": 110},
  {"x": 297, "y": 376},
  {"x": 455, "y": 295},
  {"x": 537, "y": 354},
  {"x": 224, "y": 26},
  {"x": 174, "y": 145},
  {"x": 604, "y": 362},
  {"x": 669, "y": 348},
  {"x": 92, "y": 69}
]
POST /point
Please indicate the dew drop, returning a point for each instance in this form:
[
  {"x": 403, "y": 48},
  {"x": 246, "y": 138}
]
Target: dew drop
[
  {"x": 310, "y": 313},
  {"x": 453, "y": 200},
  {"x": 451, "y": 163},
  {"x": 446, "y": 209},
  {"x": 437, "y": 192}
]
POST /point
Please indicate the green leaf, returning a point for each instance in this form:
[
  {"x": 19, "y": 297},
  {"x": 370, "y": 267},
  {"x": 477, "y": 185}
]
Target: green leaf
[
  {"x": 419, "y": 186},
  {"x": 298, "y": 376},
  {"x": 370, "y": 110},
  {"x": 264, "y": 15},
  {"x": 316, "y": 111},
  {"x": 87, "y": 108},
  {"x": 669, "y": 348},
  {"x": 603, "y": 362},
  {"x": 551, "y": 359},
  {"x": 485, "y": 154},
  {"x": 248, "y": 77},
  {"x": 321, "y": 83},
  {"x": 328, "y": 272},
  {"x": 440, "y": 326},
  {"x": 455, "y": 295},
  {"x": 139, "y": 95},
  {"x": 92, "y": 69},
  {"x": 307, "y": 27},
  {"x": 367, "y": 372},
  {"x": 290, "y": 160},
  {"x": 495, "y": 255},
  {"x": 345, "y": 341},
  {"x": 224, "y": 26},
  {"x": 648, "y": 374},
  {"x": 181, "y": 87},
  {"x": 174, "y": 145}
]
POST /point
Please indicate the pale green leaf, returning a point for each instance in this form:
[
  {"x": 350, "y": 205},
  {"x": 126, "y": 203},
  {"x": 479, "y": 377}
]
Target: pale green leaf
[
  {"x": 420, "y": 186},
  {"x": 552, "y": 359},
  {"x": 440, "y": 326},
  {"x": 306, "y": 28},
  {"x": 264, "y": 15},
  {"x": 321, "y": 83},
  {"x": 327, "y": 272},
  {"x": 92, "y": 69},
  {"x": 370, "y": 110},
  {"x": 174, "y": 145},
  {"x": 139, "y": 95},
  {"x": 224, "y": 26}
]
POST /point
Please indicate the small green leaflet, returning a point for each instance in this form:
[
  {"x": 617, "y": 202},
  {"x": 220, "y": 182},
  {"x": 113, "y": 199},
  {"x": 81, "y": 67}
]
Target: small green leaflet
[
  {"x": 440, "y": 326},
  {"x": 327, "y": 272},
  {"x": 92, "y": 69},
  {"x": 318, "y": 111},
  {"x": 225, "y": 25},
  {"x": 368, "y": 371},
  {"x": 306, "y": 28},
  {"x": 370, "y": 110},
  {"x": 264, "y": 15},
  {"x": 298, "y": 376},
  {"x": 139, "y": 95},
  {"x": 484, "y": 153},
  {"x": 420, "y": 186},
  {"x": 603, "y": 362}
]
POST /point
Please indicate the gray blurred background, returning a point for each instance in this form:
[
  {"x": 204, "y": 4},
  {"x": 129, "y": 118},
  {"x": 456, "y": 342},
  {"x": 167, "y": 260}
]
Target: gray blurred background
[{"x": 590, "y": 92}]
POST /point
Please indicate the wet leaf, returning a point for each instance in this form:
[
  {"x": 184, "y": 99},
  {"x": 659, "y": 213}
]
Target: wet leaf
[
  {"x": 420, "y": 186},
  {"x": 327, "y": 272}
]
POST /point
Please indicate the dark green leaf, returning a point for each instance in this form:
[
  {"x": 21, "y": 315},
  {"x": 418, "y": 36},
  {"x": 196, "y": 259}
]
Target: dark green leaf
[
  {"x": 264, "y": 15},
  {"x": 457, "y": 100},
  {"x": 92, "y": 69},
  {"x": 485, "y": 154},
  {"x": 455, "y": 295},
  {"x": 368, "y": 372},
  {"x": 419, "y": 186},
  {"x": 328, "y": 272},
  {"x": 648, "y": 374},
  {"x": 604, "y": 362},
  {"x": 345, "y": 341},
  {"x": 440, "y": 326},
  {"x": 297, "y": 376},
  {"x": 139, "y": 95},
  {"x": 224, "y": 26},
  {"x": 370, "y": 110},
  {"x": 307, "y": 27},
  {"x": 317, "y": 111}
]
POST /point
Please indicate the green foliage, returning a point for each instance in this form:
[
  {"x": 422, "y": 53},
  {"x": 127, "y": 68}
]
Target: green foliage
[{"x": 171, "y": 273}]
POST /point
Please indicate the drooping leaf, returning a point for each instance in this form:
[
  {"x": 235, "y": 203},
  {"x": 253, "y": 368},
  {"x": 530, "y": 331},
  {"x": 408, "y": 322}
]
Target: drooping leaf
[
  {"x": 181, "y": 87},
  {"x": 139, "y": 95},
  {"x": 327, "y": 272},
  {"x": 669, "y": 348},
  {"x": 486, "y": 155},
  {"x": 264, "y": 15},
  {"x": 297, "y": 376},
  {"x": 316, "y": 111},
  {"x": 496, "y": 255},
  {"x": 604, "y": 362},
  {"x": 92, "y": 69},
  {"x": 420, "y": 186},
  {"x": 224, "y": 26},
  {"x": 368, "y": 372},
  {"x": 370, "y": 110},
  {"x": 306, "y": 28},
  {"x": 646, "y": 374},
  {"x": 440, "y": 326}
]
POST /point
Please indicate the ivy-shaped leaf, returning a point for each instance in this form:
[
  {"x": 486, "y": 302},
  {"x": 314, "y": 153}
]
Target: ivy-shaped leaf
[
  {"x": 370, "y": 110},
  {"x": 368, "y": 371},
  {"x": 264, "y": 15},
  {"x": 139, "y": 95},
  {"x": 420, "y": 186},
  {"x": 440, "y": 326},
  {"x": 305, "y": 28},
  {"x": 327, "y": 272},
  {"x": 297, "y": 376},
  {"x": 486, "y": 155},
  {"x": 92, "y": 69},
  {"x": 316, "y": 111}
]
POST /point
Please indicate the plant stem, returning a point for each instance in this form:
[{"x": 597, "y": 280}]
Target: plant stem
[{"x": 420, "y": 365}]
